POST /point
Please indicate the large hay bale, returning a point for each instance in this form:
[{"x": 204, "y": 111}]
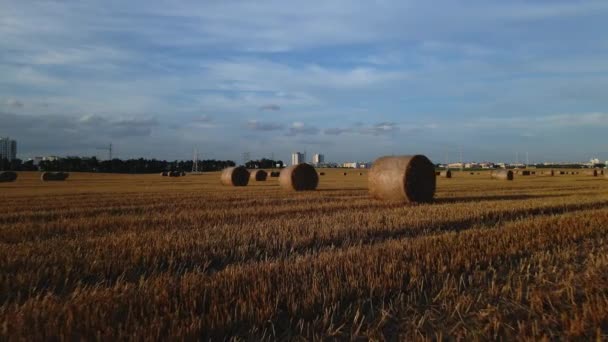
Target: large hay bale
[
  {"x": 321, "y": 173},
  {"x": 402, "y": 178},
  {"x": 592, "y": 173},
  {"x": 258, "y": 175},
  {"x": 446, "y": 174},
  {"x": 175, "y": 174},
  {"x": 164, "y": 173},
  {"x": 525, "y": 173},
  {"x": 301, "y": 177},
  {"x": 8, "y": 176},
  {"x": 344, "y": 174},
  {"x": 54, "y": 176},
  {"x": 502, "y": 174},
  {"x": 562, "y": 172},
  {"x": 275, "y": 174},
  {"x": 235, "y": 176}
]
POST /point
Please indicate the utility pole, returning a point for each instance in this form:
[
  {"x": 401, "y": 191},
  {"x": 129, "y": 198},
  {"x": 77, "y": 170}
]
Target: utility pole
[{"x": 195, "y": 161}]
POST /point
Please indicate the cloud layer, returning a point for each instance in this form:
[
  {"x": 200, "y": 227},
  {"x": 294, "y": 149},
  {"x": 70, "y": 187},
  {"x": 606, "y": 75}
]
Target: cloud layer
[{"x": 352, "y": 81}]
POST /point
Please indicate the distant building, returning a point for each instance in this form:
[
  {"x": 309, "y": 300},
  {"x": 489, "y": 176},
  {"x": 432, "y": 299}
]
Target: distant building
[
  {"x": 8, "y": 149},
  {"x": 318, "y": 159},
  {"x": 298, "y": 158}
]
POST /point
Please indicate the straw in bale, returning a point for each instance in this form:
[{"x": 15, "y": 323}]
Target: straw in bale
[
  {"x": 502, "y": 174},
  {"x": 402, "y": 178},
  {"x": 235, "y": 176},
  {"x": 525, "y": 173},
  {"x": 275, "y": 174},
  {"x": 258, "y": 175},
  {"x": 8, "y": 176},
  {"x": 301, "y": 177},
  {"x": 446, "y": 174},
  {"x": 54, "y": 176},
  {"x": 592, "y": 173},
  {"x": 164, "y": 173}
]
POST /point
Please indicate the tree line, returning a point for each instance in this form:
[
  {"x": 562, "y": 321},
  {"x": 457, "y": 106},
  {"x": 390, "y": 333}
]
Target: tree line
[{"x": 141, "y": 165}]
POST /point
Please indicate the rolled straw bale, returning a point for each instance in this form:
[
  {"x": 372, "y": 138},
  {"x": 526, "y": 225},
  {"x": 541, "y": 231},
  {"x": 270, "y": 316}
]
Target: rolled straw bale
[
  {"x": 502, "y": 174},
  {"x": 446, "y": 174},
  {"x": 164, "y": 173},
  {"x": 533, "y": 173},
  {"x": 562, "y": 173},
  {"x": 592, "y": 173},
  {"x": 360, "y": 173},
  {"x": 235, "y": 176},
  {"x": 54, "y": 176},
  {"x": 8, "y": 176},
  {"x": 275, "y": 174},
  {"x": 525, "y": 173},
  {"x": 301, "y": 177},
  {"x": 175, "y": 174},
  {"x": 344, "y": 174},
  {"x": 402, "y": 178},
  {"x": 472, "y": 173},
  {"x": 321, "y": 173},
  {"x": 258, "y": 175}
]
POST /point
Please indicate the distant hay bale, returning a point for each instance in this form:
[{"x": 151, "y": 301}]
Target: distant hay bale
[
  {"x": 562, "y": 173},
  {"x": 533, "y": 173},
  {"x": 301, "y": 177},
  {"x": 525, "y": 173},
  {"x": 403, "y": 179},
  {"x": 183, "y": 173},
  {"x": 321, "y": 173},
  {"x": 446, "y": 174},
  {"x": 275, "y": 174},
  {"x": 472, "y": 173},
  {"x": 164, "y": 173},
  {"x": 54, "y": 176},
  {"x": 8, "y": 176},
  {"x": 592, "y": 173},
  {"x": 175, "y": 174},
  {"x": 258, "y": 175},
  {"x": 344, "y": 174},
  {"x": 502, "y": 174},
  {"x": 360, "y": 173},
  {"x": 235, "y": 176}
]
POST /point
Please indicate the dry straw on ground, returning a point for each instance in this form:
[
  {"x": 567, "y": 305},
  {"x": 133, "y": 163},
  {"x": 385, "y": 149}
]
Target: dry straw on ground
[
  {"x": 235, "y": 176},
  {"x": 301, "y": 177},
  {"x": 403, "y": 179},
  {"x": 258, "y": 175},
  {"x": 8, "y": 176},
  {"x": 54, "y": 176},
  {"x": 502, "y": 174}
]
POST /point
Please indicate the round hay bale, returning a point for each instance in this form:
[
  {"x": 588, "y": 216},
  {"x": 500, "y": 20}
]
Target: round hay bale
[
  {"x": 446, "y": 174},
  {"x": 301, "y": 177},
  {"x": 54, "y": 176},
  {"x": 8, "y": 176},
  {"x": 235, "y": 176},
  {"x": 275, "y": 174},
  {"x": 321, "y": 173},
  {"x": 175, "y": 174},
  {"x": 258, "y": 175},
  {"x": 163, "y": 174},
  {"x": 344, "y": 174},
  {"x": 525, "y": 173},
  {"x": 502, "y": 174},
  {"x": 592, "y": 173},
  {"x": 360, "y": 173},
  {"x": 402, "y": 178},
  {"x": 472, "y": 173}
]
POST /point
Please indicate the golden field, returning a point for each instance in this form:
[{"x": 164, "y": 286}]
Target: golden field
[{"x": 107, "y": 257}]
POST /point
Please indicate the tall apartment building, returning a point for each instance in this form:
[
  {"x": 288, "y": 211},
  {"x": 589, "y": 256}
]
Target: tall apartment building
[
  {"x": 318, "y": 159},
  {"x": 298, "y": 158},
  {"x": 8, "y": 148}
]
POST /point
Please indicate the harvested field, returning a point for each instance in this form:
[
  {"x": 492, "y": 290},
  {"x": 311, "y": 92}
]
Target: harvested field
[{"x": 146, "y": 257}]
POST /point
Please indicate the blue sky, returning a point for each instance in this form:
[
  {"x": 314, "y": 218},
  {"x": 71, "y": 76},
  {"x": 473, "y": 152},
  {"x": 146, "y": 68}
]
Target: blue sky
[{"x": 353, "y": 80}]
